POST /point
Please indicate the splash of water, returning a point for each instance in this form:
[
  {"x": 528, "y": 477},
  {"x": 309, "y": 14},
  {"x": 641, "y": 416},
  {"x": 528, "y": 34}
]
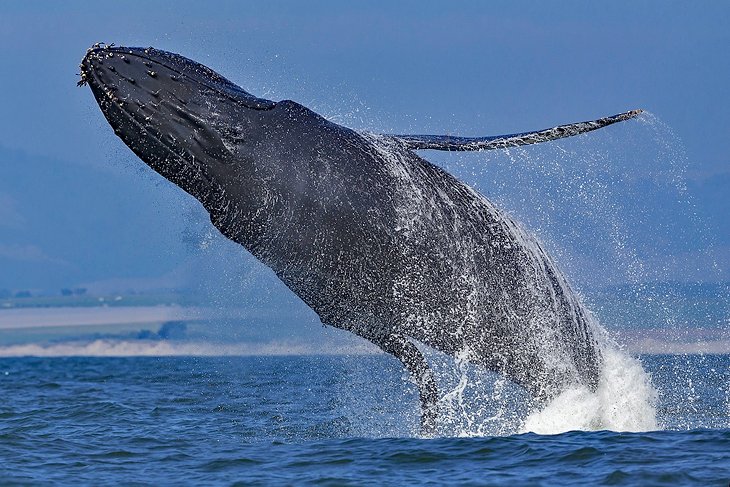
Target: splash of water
[
  {"x": 541, "y": 329},
  {"x": 611, "y": 215},
  {"x": 625, "y": 400},
  {"x": 479, "y": 403}
]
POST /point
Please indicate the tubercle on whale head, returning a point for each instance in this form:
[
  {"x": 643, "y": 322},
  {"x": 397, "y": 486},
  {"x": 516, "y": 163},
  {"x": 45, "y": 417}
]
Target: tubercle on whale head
[
  {"x": 182, "y": 67},
  {"x": 183, "y": 119}
]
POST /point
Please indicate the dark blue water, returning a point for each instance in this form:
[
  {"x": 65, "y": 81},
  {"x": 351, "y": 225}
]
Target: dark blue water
[{"x": 325, "y": 421}]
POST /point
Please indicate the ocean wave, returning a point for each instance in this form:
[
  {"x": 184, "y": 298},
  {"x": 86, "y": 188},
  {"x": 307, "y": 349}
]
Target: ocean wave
[
  {"x": 654, "y": 346},
  {"x": 164, "y": 348}
]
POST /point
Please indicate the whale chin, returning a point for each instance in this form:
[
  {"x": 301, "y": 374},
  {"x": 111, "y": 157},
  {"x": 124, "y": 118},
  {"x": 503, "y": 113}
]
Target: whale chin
[{"x": 178, "y": 116}]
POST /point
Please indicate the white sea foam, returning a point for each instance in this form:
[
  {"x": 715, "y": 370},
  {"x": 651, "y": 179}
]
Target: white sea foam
[
  {"x": 164, "y": 348},
  {"x": 625, "y": 400},
  {"x": 476, "y": 402}
]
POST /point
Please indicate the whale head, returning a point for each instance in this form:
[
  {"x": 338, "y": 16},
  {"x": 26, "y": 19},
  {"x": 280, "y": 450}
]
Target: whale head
[{"x": 183, "y": 119}]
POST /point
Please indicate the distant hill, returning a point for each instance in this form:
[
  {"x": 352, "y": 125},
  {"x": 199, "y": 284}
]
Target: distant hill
[{"x": 63, "y": 224}]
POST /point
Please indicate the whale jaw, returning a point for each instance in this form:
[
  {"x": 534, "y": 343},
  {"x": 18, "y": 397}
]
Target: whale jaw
[{"x": 181, "y": 118}]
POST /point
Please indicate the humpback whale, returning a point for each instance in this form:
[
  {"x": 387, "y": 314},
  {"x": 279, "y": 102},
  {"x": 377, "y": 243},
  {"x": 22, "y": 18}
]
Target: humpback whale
[{"x": 375, "y": 239}]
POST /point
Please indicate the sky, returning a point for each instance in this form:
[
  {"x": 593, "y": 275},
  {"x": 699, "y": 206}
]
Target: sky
[{"x": 644, "y": 201}]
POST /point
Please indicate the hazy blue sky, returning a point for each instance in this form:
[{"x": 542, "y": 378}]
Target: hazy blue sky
[{"x": 77, "y": 208}]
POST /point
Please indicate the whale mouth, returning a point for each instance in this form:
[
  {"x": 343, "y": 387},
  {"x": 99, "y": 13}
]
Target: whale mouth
[
  {"x": 172, "y": 112},
  {"x": 107, "y": 63},
  {"x": 162, "y": 91}
]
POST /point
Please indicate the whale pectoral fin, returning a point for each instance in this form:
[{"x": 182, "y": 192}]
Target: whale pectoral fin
[
  {"x": 449, "y": 143},
  {"x": 412, "y": 358}
]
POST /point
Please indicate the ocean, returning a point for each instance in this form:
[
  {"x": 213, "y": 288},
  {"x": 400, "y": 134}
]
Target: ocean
[{"x": 335, "y": 420}]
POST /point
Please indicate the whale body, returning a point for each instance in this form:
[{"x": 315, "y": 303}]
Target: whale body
[{"x": 374, "y": 238}]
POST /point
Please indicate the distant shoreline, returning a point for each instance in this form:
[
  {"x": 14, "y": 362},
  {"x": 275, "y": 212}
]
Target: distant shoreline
[
  {"x": 24, "y": 318},
  {"x": 650, "y": 341},
  {"x": 654, "y": 341},
  {"x": 173, "y": 348}
]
